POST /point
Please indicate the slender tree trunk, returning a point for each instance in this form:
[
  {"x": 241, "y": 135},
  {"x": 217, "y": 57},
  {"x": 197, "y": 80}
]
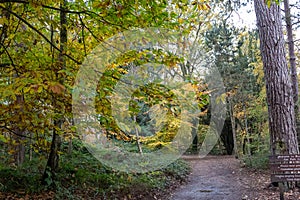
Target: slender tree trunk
[
  {"x": 137, "y": 137},
  {"x": 293, "y": 69},
  {"x": 53, "y": 159},
  {"x": 247, "y": 133},
  {"x": 195, "y": 135},
  {"x": 278, "y": 84},
  {"x": 70, "y": 145},
  {"x": 19, "y": 155},
  {"x": 30, "y": 147},
  {"x": 233, "y": 125}
]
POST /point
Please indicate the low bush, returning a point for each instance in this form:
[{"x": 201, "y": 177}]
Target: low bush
[{"x": 260, "y": 160}]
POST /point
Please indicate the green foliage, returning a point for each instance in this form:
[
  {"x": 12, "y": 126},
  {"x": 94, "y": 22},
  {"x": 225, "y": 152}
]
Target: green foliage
[
  {"x": 179, "y": 169},
  {"x": 36, "y": 87},
  {"x": 80, "y": 176},
  {"x": 259, "y": 160},
  {"x": 25, "y": 178},
  {"x": 269, "y": 2},
  {"x": 236, "y": 52},
  {"x": 260, "y": 149}
]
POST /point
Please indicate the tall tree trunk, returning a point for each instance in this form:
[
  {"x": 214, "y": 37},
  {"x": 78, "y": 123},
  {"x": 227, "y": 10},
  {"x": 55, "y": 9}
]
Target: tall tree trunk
[
  {"x": 232, "y": 119},
  {"x": 137, "y": 136},
  {"x": 247, "y": 133},
  {"x": 30, "y": 147},
  {"x": 278, "y": 84},
  {"x": 292, "y": 59},
  {"x": 195, "y": 135},
  {"x": 53, "y": 159},
  {"x": 293, "y": 69},
  {"x": 19, "y": 151}
]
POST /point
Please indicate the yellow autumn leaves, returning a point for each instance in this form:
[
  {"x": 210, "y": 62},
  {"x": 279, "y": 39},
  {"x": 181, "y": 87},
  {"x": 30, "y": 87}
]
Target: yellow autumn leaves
[{"x": 201, "y": 4}]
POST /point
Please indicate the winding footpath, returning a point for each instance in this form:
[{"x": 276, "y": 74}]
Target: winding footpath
[{"x": 214, "y": 178}]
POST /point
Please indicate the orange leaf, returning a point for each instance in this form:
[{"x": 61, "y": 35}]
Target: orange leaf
[{"x": 57, "y": 88}]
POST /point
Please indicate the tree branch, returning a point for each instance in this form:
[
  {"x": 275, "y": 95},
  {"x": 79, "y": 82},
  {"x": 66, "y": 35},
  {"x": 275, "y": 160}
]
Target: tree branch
[
  {"x": 87, "y": 12},
  {"x": 44, "y": 6},
  {"x": 41, "y": 34},
  {"x": 11, "y": 131},
  {"x": 10, "y": 58},
  {"x": 5, "y": 64}
]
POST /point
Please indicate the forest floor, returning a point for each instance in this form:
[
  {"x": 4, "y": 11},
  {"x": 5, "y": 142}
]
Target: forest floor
[
  {"x": 211, "y": 178},
  {"x": 223, "y": 178}
]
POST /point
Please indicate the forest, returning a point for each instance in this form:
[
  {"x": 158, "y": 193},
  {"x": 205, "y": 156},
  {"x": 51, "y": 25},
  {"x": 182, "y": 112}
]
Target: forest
[{"x": 116, "y": 99}]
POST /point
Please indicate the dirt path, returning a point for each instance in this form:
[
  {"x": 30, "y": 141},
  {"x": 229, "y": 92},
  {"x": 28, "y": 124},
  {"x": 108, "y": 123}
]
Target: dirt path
[{"x": 222, "y": 178}]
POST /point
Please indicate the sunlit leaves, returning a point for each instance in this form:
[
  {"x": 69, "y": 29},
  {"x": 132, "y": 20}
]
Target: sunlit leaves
[
  {"x": 201, "y": 4},
  {"x": 35, "y": 73},
  {"x": 269, "y": 2}
]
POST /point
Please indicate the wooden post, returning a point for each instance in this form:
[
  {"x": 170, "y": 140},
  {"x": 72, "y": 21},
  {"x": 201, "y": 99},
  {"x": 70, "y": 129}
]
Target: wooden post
[{"x": 281, "y": 190}]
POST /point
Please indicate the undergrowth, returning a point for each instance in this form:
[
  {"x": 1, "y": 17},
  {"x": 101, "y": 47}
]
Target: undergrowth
[
  {"x": 259, "y": 160},
  {"x": 81, "y": 176}
]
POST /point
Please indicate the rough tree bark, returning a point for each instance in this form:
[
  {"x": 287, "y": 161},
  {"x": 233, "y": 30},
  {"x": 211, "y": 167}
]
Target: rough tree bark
[
  {"x": 291, "y": 45},
  {"x": 280, "y": 101},
  {"x": 292, "y": 59}
]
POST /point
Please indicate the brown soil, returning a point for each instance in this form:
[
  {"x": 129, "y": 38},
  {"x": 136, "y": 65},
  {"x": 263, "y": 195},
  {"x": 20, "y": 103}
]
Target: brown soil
[{"x": 223, "y": 178}]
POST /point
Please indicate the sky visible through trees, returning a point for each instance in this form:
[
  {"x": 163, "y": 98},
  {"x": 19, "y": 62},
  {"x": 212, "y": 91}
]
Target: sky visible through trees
[{"x": 245, "y": 16}]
